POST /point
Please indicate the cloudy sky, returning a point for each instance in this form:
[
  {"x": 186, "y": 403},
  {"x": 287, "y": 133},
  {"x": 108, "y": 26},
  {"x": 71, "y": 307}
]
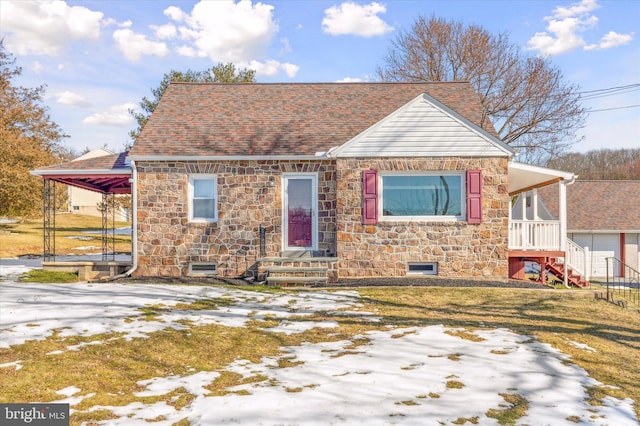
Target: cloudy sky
[{"x": 99, "y": 58}]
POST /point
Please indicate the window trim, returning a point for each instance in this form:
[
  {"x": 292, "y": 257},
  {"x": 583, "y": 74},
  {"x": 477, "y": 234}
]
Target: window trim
[
  {"x": 428, "y": 218},
  {"x": 192, "y": 178}
]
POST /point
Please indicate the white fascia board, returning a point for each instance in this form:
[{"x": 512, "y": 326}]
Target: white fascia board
[
  {"x": 319, "y": 156},
  {"x": 80, "y": 172},
  {"x": 542, "y": 170},
  {"x": 508, "y": 151},
  {"x": 603, "y": 231}
]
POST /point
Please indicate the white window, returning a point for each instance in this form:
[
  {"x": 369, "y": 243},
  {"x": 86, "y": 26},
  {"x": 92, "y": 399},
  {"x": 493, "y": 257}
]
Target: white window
[
  {"x": 203, "y": 198},
  {"x": 423, "y": 196}
]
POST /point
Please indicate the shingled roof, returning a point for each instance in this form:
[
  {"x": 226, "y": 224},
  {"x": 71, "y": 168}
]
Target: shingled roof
[
  {"x": 283, "y": 119},
  {"x": 105, "y": 174},
  {"x": 116, "y": 163},
  {"x": 598, "y": 205}
]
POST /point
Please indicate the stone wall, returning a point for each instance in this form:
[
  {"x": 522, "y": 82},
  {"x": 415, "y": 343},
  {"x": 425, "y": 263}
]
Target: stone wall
[
  {"x": 460, "y": 249},
  {"x": 250, "y": 196}
]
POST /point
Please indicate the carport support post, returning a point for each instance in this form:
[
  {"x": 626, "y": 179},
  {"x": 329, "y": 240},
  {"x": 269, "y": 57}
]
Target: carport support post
[
  {"x": 49, "y": 220},
  {"x": 108, "y": 205}
]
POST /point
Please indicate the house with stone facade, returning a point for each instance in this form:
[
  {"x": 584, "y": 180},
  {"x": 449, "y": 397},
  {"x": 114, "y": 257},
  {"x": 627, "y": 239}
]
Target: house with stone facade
[
  {"x": 326, "y": 180},
  {"x": 321, "y": 182}
]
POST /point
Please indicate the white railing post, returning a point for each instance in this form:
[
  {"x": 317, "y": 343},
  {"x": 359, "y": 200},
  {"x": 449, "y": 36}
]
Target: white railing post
[
  {"x": 587, "y": 264},
  {"x": 562, "y": 207}
]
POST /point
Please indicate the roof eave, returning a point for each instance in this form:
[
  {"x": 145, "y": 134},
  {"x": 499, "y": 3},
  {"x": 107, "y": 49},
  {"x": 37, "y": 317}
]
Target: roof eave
[
  {"x": 92, "y": 172},
  {"x": 317, "y": 156}
]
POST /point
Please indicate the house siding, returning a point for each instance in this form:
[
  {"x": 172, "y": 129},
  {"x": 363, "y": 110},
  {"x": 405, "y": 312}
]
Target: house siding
[
  {"x": 460, "y": 249},
  {"x": 424, "y": 130},
  {"x": 168, "y": 242}
]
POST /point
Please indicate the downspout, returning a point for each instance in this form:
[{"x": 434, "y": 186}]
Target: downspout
[{"x": 134, "y": 225}]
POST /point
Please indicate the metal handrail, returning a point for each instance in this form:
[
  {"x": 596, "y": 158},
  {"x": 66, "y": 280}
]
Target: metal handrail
[
  {"x": 625, "y": 284},
  {"x": 263, "y": 241}
]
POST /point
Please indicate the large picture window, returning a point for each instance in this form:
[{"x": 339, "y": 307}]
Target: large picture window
[
  {"x": 423, "y": 196},
  {"x": 203, "y": 198}
]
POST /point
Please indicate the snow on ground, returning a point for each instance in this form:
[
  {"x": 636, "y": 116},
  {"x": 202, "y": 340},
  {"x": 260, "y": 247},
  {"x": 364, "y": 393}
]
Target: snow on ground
[
  {"x": 34, "y": 311},
  {"x": 397, "y": 376}
]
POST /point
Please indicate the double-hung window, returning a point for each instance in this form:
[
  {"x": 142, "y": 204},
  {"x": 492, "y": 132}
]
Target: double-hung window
[
  {"x": 203, "y": 198},
  {"x": 423, "y": 196}
]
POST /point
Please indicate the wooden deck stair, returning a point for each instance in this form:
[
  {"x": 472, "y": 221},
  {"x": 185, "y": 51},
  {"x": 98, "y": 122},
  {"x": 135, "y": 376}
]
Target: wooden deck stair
[{"x": 557, "y": 268}]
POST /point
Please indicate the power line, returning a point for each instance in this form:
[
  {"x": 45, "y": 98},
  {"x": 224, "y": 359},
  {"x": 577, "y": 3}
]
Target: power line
[
  {"x": 601, "y": 93},
  {"x": 610, "y": 88},
  {"x": 611, "y": 109}
]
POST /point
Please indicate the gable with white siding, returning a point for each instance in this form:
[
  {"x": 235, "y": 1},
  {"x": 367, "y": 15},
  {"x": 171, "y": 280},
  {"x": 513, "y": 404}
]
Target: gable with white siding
[{"x": 424, "y": 127}]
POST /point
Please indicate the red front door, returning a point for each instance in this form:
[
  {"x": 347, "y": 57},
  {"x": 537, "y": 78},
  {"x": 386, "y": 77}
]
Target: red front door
[{"x": 300, "y": 207}]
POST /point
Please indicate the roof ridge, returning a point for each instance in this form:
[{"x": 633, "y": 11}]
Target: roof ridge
[{"x": 212, "y": 83}]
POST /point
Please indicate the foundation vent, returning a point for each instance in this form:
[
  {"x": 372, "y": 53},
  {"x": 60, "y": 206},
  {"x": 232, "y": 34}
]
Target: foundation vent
[
  {"x": 428, "y": 268},
  {"x": 203, "y": 268}
]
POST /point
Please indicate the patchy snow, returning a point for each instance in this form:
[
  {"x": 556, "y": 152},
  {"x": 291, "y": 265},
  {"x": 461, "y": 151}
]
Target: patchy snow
[
  {"x": 33, "y": 311},
  {"x": 583, "y": 346},
  {"x": 394, "y": 376},
  {"x": 193, "y": 384},
  {"x": 69, "y": 391},
  {"x": 17, "y": 364}
]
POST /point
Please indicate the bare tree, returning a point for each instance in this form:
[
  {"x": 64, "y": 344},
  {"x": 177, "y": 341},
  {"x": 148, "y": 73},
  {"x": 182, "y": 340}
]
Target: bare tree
[{"x": 530, "y": 105}]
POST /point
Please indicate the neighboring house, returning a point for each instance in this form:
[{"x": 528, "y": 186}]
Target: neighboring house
[
  {"x": 603, "y": 216},
  {"x": 85, "y": 201},
  {"x": 322, "y": 182}
]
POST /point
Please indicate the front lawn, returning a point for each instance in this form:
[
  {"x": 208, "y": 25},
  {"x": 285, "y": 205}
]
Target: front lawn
[
  {"x": 74, "y": 234},
  {"x": 176, "y": 354}
]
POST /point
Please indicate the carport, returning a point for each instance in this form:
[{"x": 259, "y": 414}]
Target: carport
[{"x": 108, "y": 175}]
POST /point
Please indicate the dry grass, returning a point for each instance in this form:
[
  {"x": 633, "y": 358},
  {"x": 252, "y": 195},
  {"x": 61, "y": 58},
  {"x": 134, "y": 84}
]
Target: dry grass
[
  {"x": 26, "y": 237},
  {"x": 560, "y": 318},
  {"x": 112, "y": 369}
]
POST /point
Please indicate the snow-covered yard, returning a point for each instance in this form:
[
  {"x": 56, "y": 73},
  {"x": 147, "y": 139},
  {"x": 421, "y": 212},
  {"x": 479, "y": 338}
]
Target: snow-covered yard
[{"x": 409, "y": 376}]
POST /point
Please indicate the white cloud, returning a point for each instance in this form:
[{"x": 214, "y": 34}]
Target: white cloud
[
  {"x": 134, "y": 45},
  {"x": 350, "y": 80},
  {"x": 286, "y": 46},
  {"x": 227, "y": 31},
  {"x": 566, "y": 26},
  {"x": 176, "y": 14},
  {"x": 186, "y": 51},
  {"x": 37, "y": 67},
  {"x": 351, "y": 18},
  {"x": 272, "y": 67},
  {"x": 164, "y": 32},
  {"x": 611, "y": 39},
  {"x": 46, "y": 27},
  {"x": 290, "y": 69},
  {"x": 71, "y": 98},
  {"x": 117, "y": 115},
  {"x": 585, "y": 6}
]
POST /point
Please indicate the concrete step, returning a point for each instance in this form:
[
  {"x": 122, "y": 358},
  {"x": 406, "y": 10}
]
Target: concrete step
[
  {"x": 291, "y": 269},
  {"x": 296, "y": 280}
]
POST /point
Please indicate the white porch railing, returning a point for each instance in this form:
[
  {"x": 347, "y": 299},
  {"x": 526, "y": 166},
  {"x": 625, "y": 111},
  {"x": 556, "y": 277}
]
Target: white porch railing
[
  {"x": 578, "y": 259},
  {"x": 534, "y": 235}
]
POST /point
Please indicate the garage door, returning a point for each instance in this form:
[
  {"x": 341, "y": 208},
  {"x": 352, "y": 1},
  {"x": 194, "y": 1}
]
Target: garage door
[{"x": 601, "y": 247}]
